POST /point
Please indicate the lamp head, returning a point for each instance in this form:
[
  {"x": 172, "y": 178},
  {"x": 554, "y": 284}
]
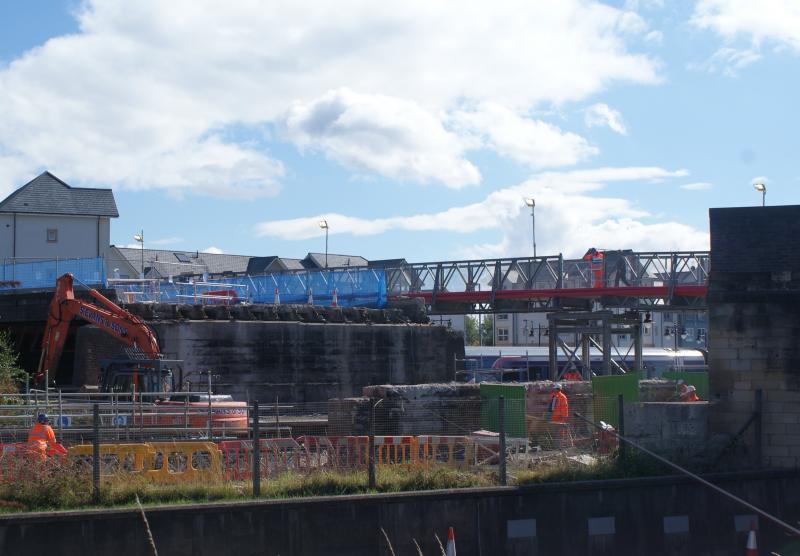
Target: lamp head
[
  {"x": 530, "y": 202},
  {"x": 323, "y": 224},
  {"x": 139, "y": 238},
  {"x": 760, "y": 187}
]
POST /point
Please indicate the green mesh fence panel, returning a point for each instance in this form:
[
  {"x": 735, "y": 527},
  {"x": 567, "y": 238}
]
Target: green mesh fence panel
[
  {"x": 605, "y": 392},
  {"x": 514, "y": 408},
  {"x": 698, "y": 379}
]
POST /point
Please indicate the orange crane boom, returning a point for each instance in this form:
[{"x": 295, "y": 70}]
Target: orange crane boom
[{"x": 107, "y": 315}]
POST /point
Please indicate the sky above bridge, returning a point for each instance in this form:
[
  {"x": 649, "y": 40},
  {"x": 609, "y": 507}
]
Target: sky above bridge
[{"x": 416, "y": 129}]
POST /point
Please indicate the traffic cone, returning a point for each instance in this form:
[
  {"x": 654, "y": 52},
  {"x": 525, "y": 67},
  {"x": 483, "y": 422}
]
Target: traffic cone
[
  {"x": 335, "y": 300},
  {"x": 752, "y": 545},
  {"x": 310, "y": 296},
  {"x": 450, "y": 550},
  {"x": 277, "y": 297}
]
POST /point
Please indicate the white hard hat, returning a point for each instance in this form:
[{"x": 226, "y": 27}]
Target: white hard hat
[{"x": 556, "y": 386}]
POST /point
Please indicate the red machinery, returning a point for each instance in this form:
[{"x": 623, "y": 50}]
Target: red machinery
[{"x": 108, "y": 316}]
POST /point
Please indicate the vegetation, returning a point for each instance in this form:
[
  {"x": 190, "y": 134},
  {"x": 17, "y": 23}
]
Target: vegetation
[
  {"x": 69, "y": 488},
  {"x": 11, "y": 375},
  {"x": 471, "y": 331},
  {"x": 565, "y": 470}
]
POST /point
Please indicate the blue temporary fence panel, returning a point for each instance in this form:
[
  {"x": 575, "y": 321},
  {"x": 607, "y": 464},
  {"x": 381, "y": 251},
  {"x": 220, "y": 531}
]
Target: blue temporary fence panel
[
  {"x": 43, "y": 273},
  {"x": 354, "y": 288}
]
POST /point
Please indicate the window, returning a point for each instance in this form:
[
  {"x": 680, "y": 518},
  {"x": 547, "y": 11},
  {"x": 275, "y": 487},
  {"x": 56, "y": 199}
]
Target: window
[
  {"x": 182, "y": 258},
  {"x": 52, "y": 235},
  {"x": 701, "y": 334},
  {"x": 502, "y": 317},
  {"x": 502, "y": 334},
  {"x": 667, "y": 317}
]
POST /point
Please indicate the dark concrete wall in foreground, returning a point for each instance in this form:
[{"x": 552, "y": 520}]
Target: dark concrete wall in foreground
[
  {"x": 294, "y": 361},
  {"x": 643, "y": 516},
  {"x": 754, "y": 329}
]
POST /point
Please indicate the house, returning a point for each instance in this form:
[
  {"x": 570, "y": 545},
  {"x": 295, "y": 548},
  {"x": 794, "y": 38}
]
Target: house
[{"x": 48, "y": 219}]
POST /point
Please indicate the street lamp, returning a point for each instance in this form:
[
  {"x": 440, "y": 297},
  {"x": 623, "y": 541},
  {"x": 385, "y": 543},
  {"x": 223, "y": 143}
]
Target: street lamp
[
  {"x": 140, "y": 239},
  {"x": 760, "y": 186},
  {"x": 324, "y": 225},
  {"x": 532, "y": 203}
]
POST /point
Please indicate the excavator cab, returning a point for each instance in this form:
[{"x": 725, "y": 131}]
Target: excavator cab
[{"x": 157, "y": 376}]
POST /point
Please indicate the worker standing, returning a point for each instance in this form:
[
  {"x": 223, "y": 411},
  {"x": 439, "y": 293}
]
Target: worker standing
[
  {"x": 596, "y": 265},
  {"x": 42, "y": 439},
  {"x": 559, "y": 405},
  {"x": 559, "y": 413}
]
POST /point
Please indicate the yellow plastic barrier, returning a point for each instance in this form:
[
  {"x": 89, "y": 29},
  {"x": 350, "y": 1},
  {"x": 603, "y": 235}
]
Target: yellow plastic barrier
[
  {"x": 114, "y": 458},
  {"x": 456, "y": 451},
  {"x": 178, "y": 462},
  {"x": 396, "y": 450}
]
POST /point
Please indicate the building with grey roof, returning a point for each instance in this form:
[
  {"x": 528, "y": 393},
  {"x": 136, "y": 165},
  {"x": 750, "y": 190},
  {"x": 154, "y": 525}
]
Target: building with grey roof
[
  {"x": 314, "y": 261},
  {"x": 49, "y": 219}
]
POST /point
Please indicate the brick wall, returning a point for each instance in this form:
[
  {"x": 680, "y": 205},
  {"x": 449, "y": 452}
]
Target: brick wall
[{"x": 754, "y": 328}]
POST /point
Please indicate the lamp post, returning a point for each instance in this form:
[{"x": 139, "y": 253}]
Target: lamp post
[
  {"x": 762, "y": 188},
  {"x": 324, "y": 225},
  {"x": 532, "y": 203},
  {"x": 140, "y": 239}
]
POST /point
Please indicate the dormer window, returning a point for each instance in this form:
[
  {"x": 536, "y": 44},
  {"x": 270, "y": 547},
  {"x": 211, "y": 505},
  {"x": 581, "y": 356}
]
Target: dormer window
[{"x": 52, "y": 235}]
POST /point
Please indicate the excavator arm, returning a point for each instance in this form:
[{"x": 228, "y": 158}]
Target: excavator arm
[{"x": 107, "y": 315}]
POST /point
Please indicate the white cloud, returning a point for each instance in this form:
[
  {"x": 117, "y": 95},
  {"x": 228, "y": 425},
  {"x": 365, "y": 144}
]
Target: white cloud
[
  {"x": 531, "y": 142},
  {"x": 382, "y": 134},
  {"x": 654, "y": 37},
  {"x": 213, "y": 250},
  {"x": 602, "y": 114},
  {"x": 776, "y": 21},
  {"x": 760, "y": 179},
  {"x": 697, "y": 186},
  {"x": 166, "y": 241},
  {"x": 728, "y": 61},
  {"x": 571, "y": 217},
  {"x": 152, "y": 94}
]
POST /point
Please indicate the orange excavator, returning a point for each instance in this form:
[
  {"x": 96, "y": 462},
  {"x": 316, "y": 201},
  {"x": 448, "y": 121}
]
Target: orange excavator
[
  {"x": 107, "y": 315},
  {"x": 146, "y": 372}
]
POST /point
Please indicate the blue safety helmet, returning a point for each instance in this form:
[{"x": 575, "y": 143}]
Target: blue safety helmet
[{"x": 42, "y": 418}]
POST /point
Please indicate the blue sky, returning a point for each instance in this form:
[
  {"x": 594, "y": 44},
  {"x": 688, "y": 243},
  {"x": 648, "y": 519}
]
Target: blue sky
[{"x": 417, "y": 132}]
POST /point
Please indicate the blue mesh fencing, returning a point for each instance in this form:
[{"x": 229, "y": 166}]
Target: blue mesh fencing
[
  {"x": 354, "y": 288},
  {"x": 43, "y": 273}
]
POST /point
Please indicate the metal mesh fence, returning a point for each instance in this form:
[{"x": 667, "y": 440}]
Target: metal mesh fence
[
  {"x": 186, "y": 440},
  {"x": 38, "y": 273}
]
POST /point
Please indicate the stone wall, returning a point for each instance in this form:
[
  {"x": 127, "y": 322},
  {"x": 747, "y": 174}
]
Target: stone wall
[
  {"x": 754, "y": 329},
  {"x": 673, "y": 429},
  {"x": 293, "y": 361}
]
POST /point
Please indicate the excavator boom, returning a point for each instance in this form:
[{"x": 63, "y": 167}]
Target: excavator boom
[{"x": 108, "y": 316}]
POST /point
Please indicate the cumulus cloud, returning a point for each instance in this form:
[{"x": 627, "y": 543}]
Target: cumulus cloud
[
  {"x": 525, "y": 140},
  {"x": 728, "y": 61},
  {"x": 213, "y": 250},
  {"x": 571, "y": 216},
  {"x": 775, "y": 21},
  {"x": 153, "y": 94},
  {"x": 602, "y": 114},
  {"x": 387, "y": 135},
  {"x": 697, "y": 186}
]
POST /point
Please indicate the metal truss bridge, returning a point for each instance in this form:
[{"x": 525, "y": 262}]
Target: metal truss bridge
[{"x": 649, "y": 281}]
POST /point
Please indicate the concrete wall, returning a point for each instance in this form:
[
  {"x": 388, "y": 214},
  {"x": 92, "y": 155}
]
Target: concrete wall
[
  {"x": 674, "y": 429},
  {"x": 754, "y": 336},
  {"x": 639, "y": 516},
  {"x": 294, "y": 361},
  {"x": 77, "y": 236}
]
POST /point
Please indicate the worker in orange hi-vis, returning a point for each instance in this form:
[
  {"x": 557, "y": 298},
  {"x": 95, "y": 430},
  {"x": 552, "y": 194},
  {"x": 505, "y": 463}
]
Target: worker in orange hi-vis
[
  {"x": 42, "y": 439},
  {"x": 559, "y": 405},
  {"x": 690, "y": 395},
  {"x": 596, "y": 265}
]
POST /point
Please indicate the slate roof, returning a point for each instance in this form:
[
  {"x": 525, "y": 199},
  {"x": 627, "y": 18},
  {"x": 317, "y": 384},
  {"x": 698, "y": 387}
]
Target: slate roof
[
  {"x": 317, "y": 260},
  {"x": 163, "y": 262},
  {"x": 46, "y": 194},
  {"x": 388, "y": 263}
]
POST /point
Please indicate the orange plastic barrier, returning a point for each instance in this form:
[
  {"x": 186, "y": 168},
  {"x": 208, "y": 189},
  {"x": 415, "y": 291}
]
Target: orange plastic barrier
[
  {"x": 19, "y": 462},
  {"x": 278, "y": 455},
  {"x": 396, "y": 450},
  {"x": 336, "y": 452},
  {"x": 456, "y": 451}
]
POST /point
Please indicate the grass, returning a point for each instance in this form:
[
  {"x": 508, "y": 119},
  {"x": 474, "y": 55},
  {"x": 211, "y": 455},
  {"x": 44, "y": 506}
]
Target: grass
[
  {"x": 68, "y": 488},
  {"x": 566, "y": 470}
]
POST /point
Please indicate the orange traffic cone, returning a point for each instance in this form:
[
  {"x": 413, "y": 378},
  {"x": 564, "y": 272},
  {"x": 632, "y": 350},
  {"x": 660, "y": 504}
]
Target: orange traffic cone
[
  {"x": 450, "y": 550},
  {"x": 335, "y": 300},
  {"x": 752, "y": 545},
  {"x": 277, "y": 297}
]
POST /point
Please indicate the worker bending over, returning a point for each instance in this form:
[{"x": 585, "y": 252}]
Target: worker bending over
[
  {"x": 42, "y": 439},
  {"x": 690, "y": 395},
  {"x": 559, "y": 405}
]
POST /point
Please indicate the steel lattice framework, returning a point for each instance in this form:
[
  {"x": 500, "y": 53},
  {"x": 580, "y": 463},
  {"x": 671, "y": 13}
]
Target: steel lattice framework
[{"x": 637, "y": 280}]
